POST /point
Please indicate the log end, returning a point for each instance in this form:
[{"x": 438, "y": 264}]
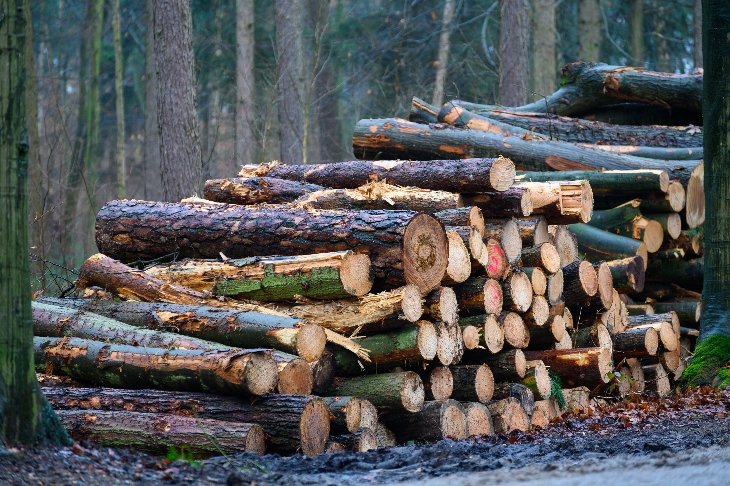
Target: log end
[
  {"x": 520, "y": 291},
  {"x": 412, "y": 303},
  {"x": 511, "y": 240},
  {"x": 493, "y": 334},
  {"x": 458, "y": 268},
  {"x": 502, "y": 174},
  {"x": 453, "y": 420},
  {"x": 255, "y": 440},
  {"x": 539, "y": 311},
  {"x": 496, "y": 261},
  {"x": 484, "y": 383},
  {"x": 261, "y": 374},
  {"x": 356, "y": 274},
  {"x": 605, "y": 364},
  {"x": 677, "y": 196},
  {"x": 586, "y": 202},
  {"x": 478, "y": 420},
  {"x": 314, "y": 427},
  {"x": 412, "y": 393},
  {"x": 557, "y": 328},
  {"x": 360, "y": 413},
  {"x": 508, "y": 415},
  {"x": 605, "y": 285},
  {"x": 653, "y": 236},
  {"x": 442, "y": 383},
  {"x": 448, "y": 305},
  {"x": 295, "y": 378},
  {"x": 542, "y": 379},
  {"x": 695, "y": 213},
  {"x": 425, "y": 252},
  {"x": 651, "y": 341},
  {"x": 588, "y": 278},
  {"x": 311, "y": 340},
  {"x": 516, "y": 333},
  {"x": 555, "y": 287},
  {"x": 446, "y": 347},
  {"x": 539, "y": 281},
  {"x": 550, "y": 257},
  {"x": 493, "y": 296},
  {"x": 472, "y": 337},
  {"x": 427, "y": 340},
  {"x": 674, "y": 225}
]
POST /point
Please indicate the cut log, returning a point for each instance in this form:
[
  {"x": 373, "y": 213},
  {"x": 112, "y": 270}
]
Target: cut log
[
  {"x": 322, "y": 276},
  {"x": 497, "y": 261},
  {"x": 350, "y": 414},
  {"x": 565, "y": 242},
  {"x": 537, "y": 379},
  {"x": 473, "y": 241},
  {"x": 673, "y": 201},
  {"x": 361, "y": 440},
  {"x": 479, "y": 295},
  {"x": 508, "y": 415},
  {"x": 234, "y": 372},
  {"x": 380, "y": 195},
  {"x": 568, "y": 318},
  {"x": 604, "y": 296},
  {"x": 462, "y": 176},
  {"x": 544, "y": 256},
  {"x": 671, "y": 223},
  {"x": 688, "y": 274},
  {"x": 437, "y": 420},
  {"x": 581, "y": 282},
  {"x": 384, "y": 436},
  {"x": 636, "y": 381},
  {"x": 662, "y": 324},
  {"x": 517, "y": 292},
  {"x": 627, "y": 274},
  {"x": 458, "y": 267},
  {"x": 397, "y": 241},
  {"x": 538, "y": 279},
  {"x": 593, "y": 336},
  {"x": 640, "y": 309},
  {"x": 439, "y": 383},
  {"x": 507, "y": 233},
  {"x": 256, "y": 190},
  {"x": 630, "y": 184},
  {"x": 508, "y": 365},
  {"x": 442, "y": 305},
  {"x": 538, "y": 313},
  {"x": 546, "y": 336},
  {"x": 474, "y": 383},
  {"x": 626, "y": 220},
  {"x": 157, "y": 433},
  {"x": 688, "y": 311},
  {"x": 491, "y": 333},
  {"x": 469, "y": 216},
  {"x": 565, "y": 343},
  {"x": 543, "y": 414},
  {"x": 447, "y": 349},
  {"x": 229, "y": 327},
  {"x": 472, "y": 336},
  {"x": 396, "y": 391},
  {"x": 657, "y": 380},
  {"x": 695, "y": 201},
  {"x": 636, "y": 342},
  {"x": 291, "y": 422},
  {"x": 577, "y": 367},
  {"x": 296, "y": 376},
  {"x": 561, "y": 202},
  {"x": 555, "y": 287},
  {"x": 478, "y": 420},
  {"x": 514, "y": 202},
  {"x": 533, "y": 230},
  {"x": 516, "y": 333},
  {"x": 603, "y": 245},
  {"x": 577, "y": 400},
  {"x": 518, "y": 391}
]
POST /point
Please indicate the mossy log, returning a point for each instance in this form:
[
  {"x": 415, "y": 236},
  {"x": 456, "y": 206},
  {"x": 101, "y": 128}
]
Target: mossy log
[
  {"x": 391, "y": 391},
  {"x": 256, "y": 190},
  {"x": 234, "y": 372},
  {"x": 437, "y": 420}
]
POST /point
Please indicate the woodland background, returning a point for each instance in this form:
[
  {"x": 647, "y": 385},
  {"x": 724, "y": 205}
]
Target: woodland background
[{"x": 287, "y": 80}]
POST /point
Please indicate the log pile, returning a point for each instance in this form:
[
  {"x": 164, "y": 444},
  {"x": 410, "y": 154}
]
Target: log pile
[{"x": 362, "y": 304}]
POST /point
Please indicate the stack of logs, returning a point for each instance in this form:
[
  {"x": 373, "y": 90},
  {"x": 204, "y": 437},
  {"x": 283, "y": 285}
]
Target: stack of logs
[{"x": 348, "y": 306}]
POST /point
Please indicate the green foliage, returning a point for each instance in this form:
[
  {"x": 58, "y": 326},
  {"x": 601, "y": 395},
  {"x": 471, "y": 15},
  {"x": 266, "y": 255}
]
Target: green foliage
[
  {"x": 182, "y": 454},
  {"x": 556, "y": 389},
  {"x": 709, "y": 365}
]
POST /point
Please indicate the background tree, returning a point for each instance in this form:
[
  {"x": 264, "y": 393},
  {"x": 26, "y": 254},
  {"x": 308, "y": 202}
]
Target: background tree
[
  {"x": 245, "y": 143},
  {"x": 119, "y": 96},
  {"x": 544, "y": 69},
  {"x": 181, "y": 163},
  {"x": 443, "y": 54},
  {"x": 697, "y": 32},
  {"x": 25, "y": 416},
  {"x": 514, "y": 61},
  {"x": 589, "y": 30},
  {"x": 709, "y": 364},
  {"x": 637, "y": 32},
  {"x": 152, "y": 189}
]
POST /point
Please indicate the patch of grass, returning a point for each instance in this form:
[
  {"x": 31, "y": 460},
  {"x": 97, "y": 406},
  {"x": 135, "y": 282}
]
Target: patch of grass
[
  {"x": 709, "y": 365},
  {"x": 182, "y": 454},
  {"x": 556, "y": 389}
]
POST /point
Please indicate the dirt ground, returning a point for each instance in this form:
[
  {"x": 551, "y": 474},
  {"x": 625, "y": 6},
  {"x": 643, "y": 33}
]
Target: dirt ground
[{"x": 678, "y": 440}]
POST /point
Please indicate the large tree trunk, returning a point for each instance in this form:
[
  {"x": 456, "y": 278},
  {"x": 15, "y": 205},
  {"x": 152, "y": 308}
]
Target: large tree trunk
[
  {"x": 290, "y": 85},
  {"x": 443, "y": 52},
  {"x": 697, "y": 33},
  {"x": 469, "y": 175},
  {"x": 514, "y": 45},
  {"x": 181, "y": 160},
  {"x": 589, "y": 26},
  {"x": 133, "y": 230},
  {"x": 637, "y": 32},
  {"x": 25, "y": 416},
  {"x": 120, "y": 160},
  {"x": 152, "y": 188},
  {"x": 245, "y": 142},
  {"x": 544, "y": 68}
]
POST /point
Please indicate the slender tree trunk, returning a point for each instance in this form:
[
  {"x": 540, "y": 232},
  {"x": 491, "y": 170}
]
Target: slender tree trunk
[
  {"x": 663, "y": 60},
  {"x": 152, "y": 189},
  {"x": 544, "y": 67},
  {"x": 514, "y": 42},
  {"x": 697, "y": 24},
  {"x": 181, "y": 160},
  {"x": 590, "y": 29},
  {"x": 289, "y": 19},
  {"x": 25, "y": 416},
  {"x": 119, "y": 92},
  {"x": 442, "y": 63},
  {"x": 245, "y": 144},
  {"x": 637, "y": 32}
]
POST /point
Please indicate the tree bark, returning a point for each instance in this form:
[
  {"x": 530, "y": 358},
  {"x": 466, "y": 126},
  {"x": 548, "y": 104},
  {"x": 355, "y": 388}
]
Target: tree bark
[
  {"x": 463, "y": 176},
  {"x": 443, "y": 51},
  {"x": 589, "y": 26},
  {"x": 437, "y": 420},
  {"x": 402, "y": 244},
  {"x": 602, "y": 245},
  {"x": 637, "y": 32},
  {"x": 25, "y": 416},
  {"x": 181, "y": 160},
  {"x": 544, "y": 59},
  {"x": 514, "y": 44},
  {"x": 234, "y": 372},
  {"x": 245, "y": 141},
  {"x": 290, "y": 84},
  {"x": 392, "y": 391},
  {"x": 256, "y": 190},
  {"x": 120, "y": 161},
  {"x": 152, "y": 169},
  {"x": 577, "y": 367}
]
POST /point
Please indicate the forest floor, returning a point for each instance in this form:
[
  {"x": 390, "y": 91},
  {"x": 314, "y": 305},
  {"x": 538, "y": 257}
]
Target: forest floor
[{"x": 683, "y": 439}]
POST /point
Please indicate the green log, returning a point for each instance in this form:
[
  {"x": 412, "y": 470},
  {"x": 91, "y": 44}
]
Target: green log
[
  {"x": 630, "y": 184},
  {"x": 598, "y": 244},
  {"x": 394, "y": 391}
]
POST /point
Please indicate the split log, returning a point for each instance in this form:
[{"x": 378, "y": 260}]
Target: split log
[
  {"x": 579, "y": 366},
  {"x": 436, "y": 421},
  {"x": 517, "y": 292},
  {"x": 462, "y": 176},
  {"x": 561, "y": 202},
  {"x": 628, "y": 274},
  {"x": 581, "y": 282},
  {"x": 516, "y": 333},
  {"x": 478, "y": 420},
  {"x": 234, "y": 372},
  {"x": 256, "y": 190},
  {"x": 688, "y": 311},
  {"x": 565, "y": 242},
  {"x": 438, "y": 383},
  {"x": 635, "y": 342},
  {"x": 397, "y": 241},
  {"x": 469, "y": 216},
  {"x": 556, "y": 284},
  {"x": 657, "y": 380},
  {"x": 545, "y": 412},
  {"x": 157, "y": 433},
  {"x": 361, "y": 440},
  {"x": 603, "y": 245},
  {"x": 324, "y": 276},
  {"x": 396, "y": 391},
  {"x": 545, "y": 256},
  {"x": 538, "y": 279},
  {"x": 508, "y": 415},
  {"x": 458, "y": 267},
  {"x": 490, "y": 333},
  {"x": 514, "y": 202},
  {"x": 517, "y": 391},
  {"x": 291, "y": 422},
  {"x": 474, "y": 383},
  {"x": 537, "y": 379},
  {"x": 229, "y": 327},
  {"x": 350, "y": 414},
  {"x": 684, "y": 273}
]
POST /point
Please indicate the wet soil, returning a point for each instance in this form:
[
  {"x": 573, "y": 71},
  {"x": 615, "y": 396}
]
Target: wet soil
[{"x": 672, "y": 440}]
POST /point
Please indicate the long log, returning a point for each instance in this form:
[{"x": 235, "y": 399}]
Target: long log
[
  {"x": 234, "y": 372},
  {"x": 396, "y": 138},
  {"x": 158, "y": 433},
  {"x": 437, "y": 420},
  {"x": 256, "y": 190},
  {"x": 321, "y": 276},
  {"x": 603, "y": 245},
  {"x": 392, "y": 391},
  {"x": 577, "y": 367},
  {"x": 630, "y": 184},
  {"x": 469, "y": 216},
  {"x": 688, "y": 311},
  {"x": 229, "y": 327},
  {"x": 402, "y": 245},
  {"x": 291, "y": 422},
  {"x": 463, "y": 176}
]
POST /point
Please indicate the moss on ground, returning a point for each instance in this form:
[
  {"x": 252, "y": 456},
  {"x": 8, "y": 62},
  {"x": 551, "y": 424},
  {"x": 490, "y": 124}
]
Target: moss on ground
[{"x": 709, "y": 365}]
